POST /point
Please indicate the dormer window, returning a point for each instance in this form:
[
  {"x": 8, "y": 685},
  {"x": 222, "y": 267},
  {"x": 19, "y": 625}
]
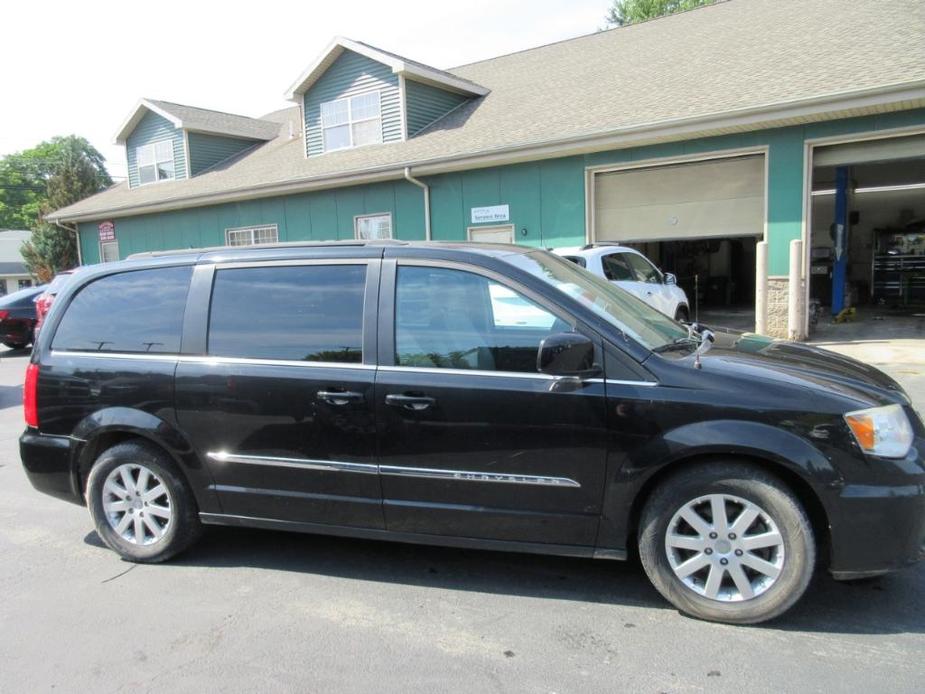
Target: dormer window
[
  {"x": 155, "y": 162},
  {"x": 351, "y": 122}
]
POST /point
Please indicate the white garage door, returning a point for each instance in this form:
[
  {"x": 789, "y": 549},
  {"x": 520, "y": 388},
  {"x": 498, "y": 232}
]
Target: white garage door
[{"x": 706, "y": 199}]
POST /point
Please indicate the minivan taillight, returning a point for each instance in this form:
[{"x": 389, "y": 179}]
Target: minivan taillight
[{"x": 29, "y": 396}]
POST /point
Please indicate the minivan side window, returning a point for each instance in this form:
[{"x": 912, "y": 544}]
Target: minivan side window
[
  {"x": 292, "y": 313},
  {"x": 455, "y": 319},
  {"x": 138, "y": 311}
]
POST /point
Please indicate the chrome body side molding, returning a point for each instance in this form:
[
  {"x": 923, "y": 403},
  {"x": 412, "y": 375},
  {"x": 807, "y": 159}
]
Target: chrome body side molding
[
  {"x": 393, "y": 470},
  {"x": 300, "y": 463}
]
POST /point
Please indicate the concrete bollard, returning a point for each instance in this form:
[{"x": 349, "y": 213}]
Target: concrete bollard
[
  {"x": 761, "y": 288},
  {"x": 795, "y": 292}
]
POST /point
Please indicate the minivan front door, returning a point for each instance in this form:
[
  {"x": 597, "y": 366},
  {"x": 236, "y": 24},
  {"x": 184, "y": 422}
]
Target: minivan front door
[
  {"x": 473, "y": 441},
  {"x": 280, "y": 406}
]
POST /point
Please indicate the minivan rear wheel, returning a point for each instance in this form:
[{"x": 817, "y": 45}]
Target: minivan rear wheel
[
  {"x": 140, "y": 503},
  {"x": 727, "y": 542}
]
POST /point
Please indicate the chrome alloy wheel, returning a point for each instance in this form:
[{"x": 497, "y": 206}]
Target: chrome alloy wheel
[
  {"x": 724, "y": 548},
  {"x": 137, "y": 504}
]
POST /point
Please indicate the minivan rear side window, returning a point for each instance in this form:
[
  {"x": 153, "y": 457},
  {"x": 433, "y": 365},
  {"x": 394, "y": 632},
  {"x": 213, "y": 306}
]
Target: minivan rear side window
[
  {"x": 291, "y": 313},
  {"x": 138, "y": 311}
]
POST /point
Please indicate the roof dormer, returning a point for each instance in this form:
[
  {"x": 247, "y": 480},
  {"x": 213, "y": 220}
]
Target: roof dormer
[
  {"x": 166, "y": 141},
  {"x": 355, "y": 95}
]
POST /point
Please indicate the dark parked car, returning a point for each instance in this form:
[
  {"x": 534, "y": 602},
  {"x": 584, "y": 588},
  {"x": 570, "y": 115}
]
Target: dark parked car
[
  {"x": 46, "y": 298},
  {"x": 17, "y": 317},
  {"x": 475, "y": 396}
]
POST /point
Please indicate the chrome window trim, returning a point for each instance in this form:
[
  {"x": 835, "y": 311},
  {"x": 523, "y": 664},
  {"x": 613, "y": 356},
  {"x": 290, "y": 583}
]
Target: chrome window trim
[
  {"x": 298, "y": 463},
  {"x": 147, "y": 356},
  {"x": 477, "y": 476},
  {"x": 468, "y": 372},
  {"x": 618, "y": 382},
  {"x": 205, "y": 359}
]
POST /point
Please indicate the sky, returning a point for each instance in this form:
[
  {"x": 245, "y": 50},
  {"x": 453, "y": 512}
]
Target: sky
[{"x": 81, "y": 67}]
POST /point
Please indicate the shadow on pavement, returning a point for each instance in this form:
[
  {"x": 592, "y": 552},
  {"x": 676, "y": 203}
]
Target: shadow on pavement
[{"x": 888, "y": 605}]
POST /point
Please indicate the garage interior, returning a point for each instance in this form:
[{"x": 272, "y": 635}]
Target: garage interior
[
  {"x": 882, "y": 209},
  {"x": 699, "y": 220}
]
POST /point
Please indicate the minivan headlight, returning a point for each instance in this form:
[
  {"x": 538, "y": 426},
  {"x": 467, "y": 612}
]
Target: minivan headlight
[{"x": 881, "y": 431}]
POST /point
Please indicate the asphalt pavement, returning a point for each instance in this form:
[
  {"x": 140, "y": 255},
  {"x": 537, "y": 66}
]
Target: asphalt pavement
[{"x": 273, "y": 612}]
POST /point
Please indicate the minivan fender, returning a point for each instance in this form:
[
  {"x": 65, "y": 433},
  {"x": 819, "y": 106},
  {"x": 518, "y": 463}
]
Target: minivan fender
[
  {"x": 632, "y": 479},
  {"x": 103, "y": 428}
]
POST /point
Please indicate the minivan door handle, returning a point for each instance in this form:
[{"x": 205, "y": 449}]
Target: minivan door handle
[
  {"x": 417, "y": 403},
  {"x": 339, "y": 397}
]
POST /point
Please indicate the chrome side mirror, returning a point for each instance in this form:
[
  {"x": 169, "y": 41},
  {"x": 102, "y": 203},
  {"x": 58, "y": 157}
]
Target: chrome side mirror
[{"x": 671, "y": 278}]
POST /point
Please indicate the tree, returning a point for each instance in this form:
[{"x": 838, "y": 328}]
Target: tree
[
  {"x": 55, "y": 174},
  {"x": 624, "y": 12}
]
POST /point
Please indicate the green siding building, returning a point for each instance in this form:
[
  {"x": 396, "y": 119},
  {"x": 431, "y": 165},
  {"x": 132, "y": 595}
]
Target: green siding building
[{"x": 669, "y": 135}]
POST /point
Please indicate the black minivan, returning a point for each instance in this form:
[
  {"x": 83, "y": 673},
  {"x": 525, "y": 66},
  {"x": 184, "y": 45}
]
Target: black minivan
[{"x": 469, "y": 395}]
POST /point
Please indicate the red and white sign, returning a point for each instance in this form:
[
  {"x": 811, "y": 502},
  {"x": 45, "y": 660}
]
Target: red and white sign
[{"x": 107, "y": 231}]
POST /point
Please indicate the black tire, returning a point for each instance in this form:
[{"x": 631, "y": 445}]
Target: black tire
[
  {"x": 16, "y": 345},
  {"x": 682, "y": 315},
  {"x": 746, "y": 482},
  {"x": 182, "y": 528}
]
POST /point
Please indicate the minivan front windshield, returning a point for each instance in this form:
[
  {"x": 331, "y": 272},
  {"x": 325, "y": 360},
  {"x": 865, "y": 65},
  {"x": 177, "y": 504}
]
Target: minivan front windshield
[{"x": 634, "y": 317}]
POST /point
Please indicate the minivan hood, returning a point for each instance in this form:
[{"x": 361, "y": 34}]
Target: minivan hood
[{"x": 757, "y": 357}]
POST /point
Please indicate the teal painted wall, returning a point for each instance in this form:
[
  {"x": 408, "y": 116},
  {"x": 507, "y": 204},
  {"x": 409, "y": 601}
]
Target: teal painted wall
[
  {"x": 208, "y": 150},
  {"x": 546, "y": 198},
  {"x": 154, "y": 128},
  {"x": 319, "y": 216},
  {"x": 350, "y": 75},
  {"x": 425, "y": 104}
]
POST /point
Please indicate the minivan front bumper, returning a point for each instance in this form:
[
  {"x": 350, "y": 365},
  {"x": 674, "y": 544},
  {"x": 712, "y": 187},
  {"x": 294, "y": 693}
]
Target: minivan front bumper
[
  {"x": 877, "y": 528},
  {"x": 47, "y": 462},
  {"x": 882, "y": 529}
]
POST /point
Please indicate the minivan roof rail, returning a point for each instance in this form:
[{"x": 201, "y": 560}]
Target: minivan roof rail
[{"x": 283, "y": 244}]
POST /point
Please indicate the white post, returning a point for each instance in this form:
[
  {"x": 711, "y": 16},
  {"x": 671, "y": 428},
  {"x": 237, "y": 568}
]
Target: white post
[
  {"x": 761, "y": 288},
  {"x": 795, "y": 292}
]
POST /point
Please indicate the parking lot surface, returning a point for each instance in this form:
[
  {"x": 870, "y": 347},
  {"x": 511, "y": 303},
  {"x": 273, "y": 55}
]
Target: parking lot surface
[{"x": 266, "y": 611}]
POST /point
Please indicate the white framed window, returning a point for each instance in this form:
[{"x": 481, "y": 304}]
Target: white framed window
[
  {"x": 503, "y": 233},
  {"x": 373, "y": 227},
  {"x": 351, "y": 122},
  {"x": 155, "y": 162},
  {"x": 109, "y": 251},
  {"x": 252, "y": 236}
]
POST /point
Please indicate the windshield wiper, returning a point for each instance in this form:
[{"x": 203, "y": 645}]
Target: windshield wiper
[
  {"x": 682, "y": 344},
  {"x": 697, "y": 338}
]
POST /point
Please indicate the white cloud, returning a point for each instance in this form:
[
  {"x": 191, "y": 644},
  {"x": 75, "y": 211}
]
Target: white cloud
[{"x": 80, "y": 67}]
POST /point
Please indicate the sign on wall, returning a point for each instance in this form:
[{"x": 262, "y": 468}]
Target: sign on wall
[
  {"x": 493, "y": 213},
  {"x": 107, "y": 231}
]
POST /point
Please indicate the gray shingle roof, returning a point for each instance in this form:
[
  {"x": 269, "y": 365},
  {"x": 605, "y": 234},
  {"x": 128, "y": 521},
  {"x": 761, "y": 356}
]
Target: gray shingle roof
[
  {"x": 728, "y": 67},
  {"x": 201, "y": 120},
  {"x": 206, "y": 120}
]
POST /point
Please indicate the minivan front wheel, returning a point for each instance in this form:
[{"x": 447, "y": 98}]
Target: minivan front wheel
[
  {"x": 140, "y": 504},
  {"x": 727, "y": 542}
]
